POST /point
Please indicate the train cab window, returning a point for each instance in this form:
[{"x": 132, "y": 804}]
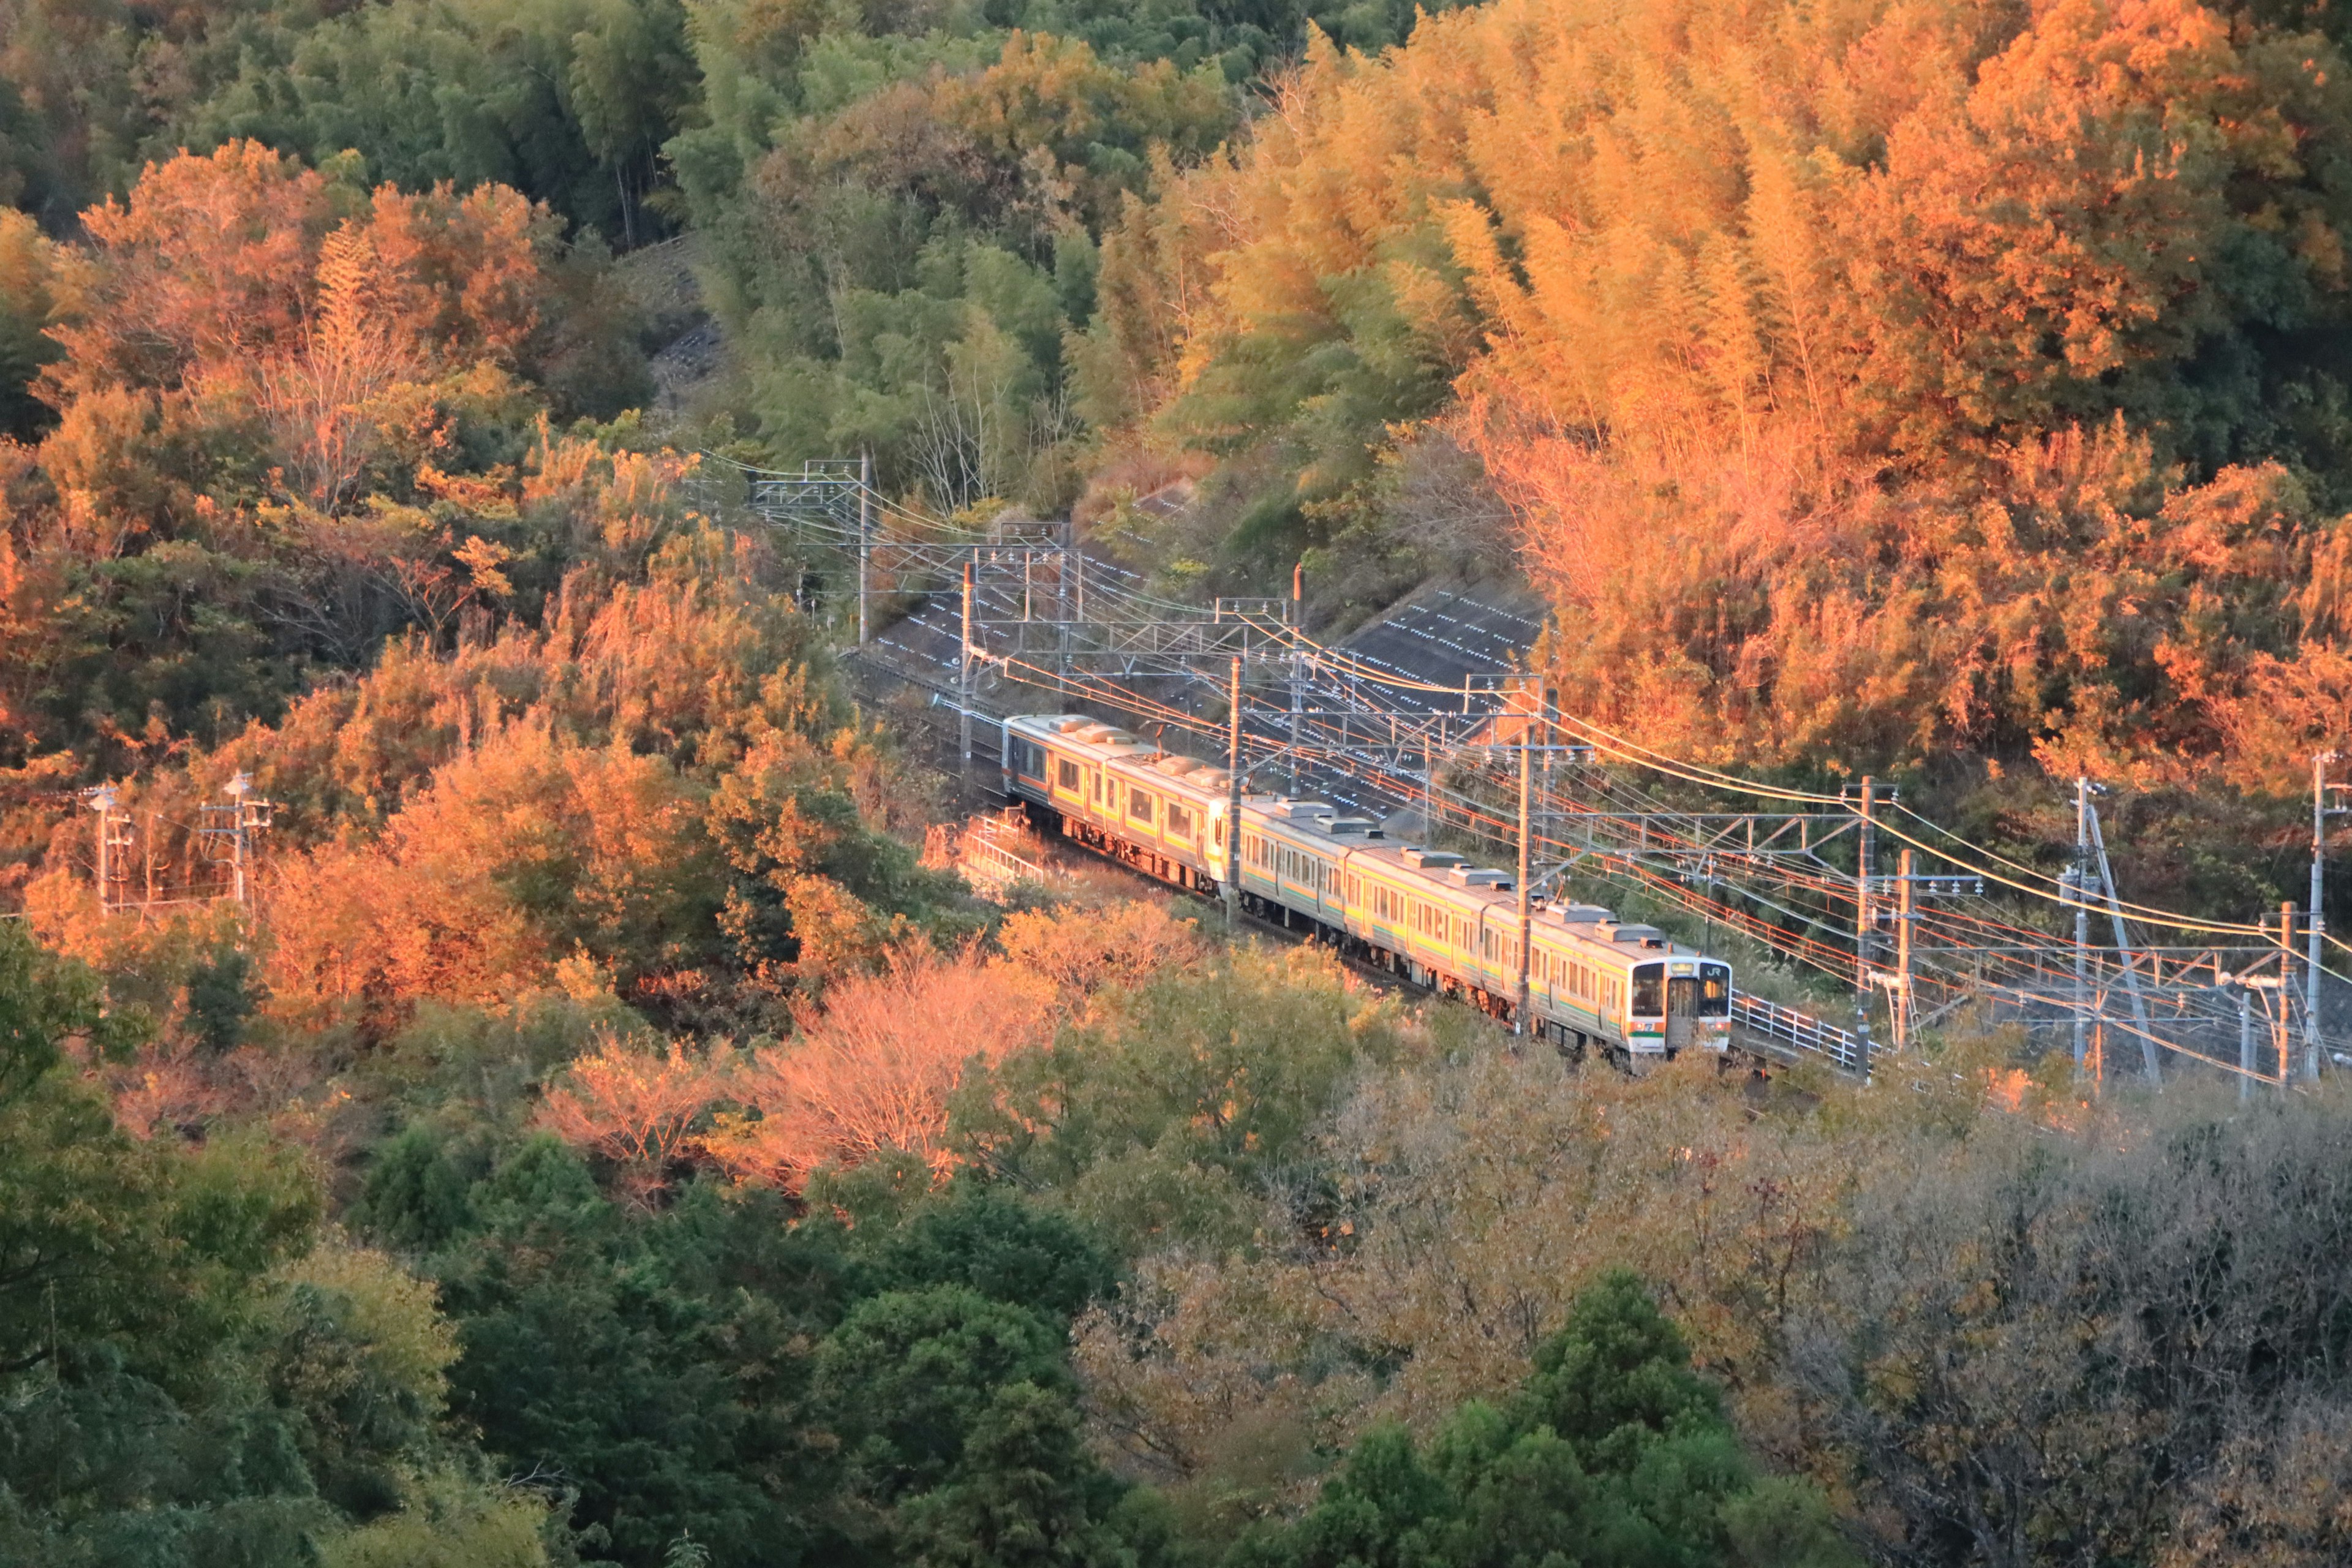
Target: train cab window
[
  {"x": 1648, "y": 990},
  {"x": 1139, "y": 805},
  {"x": 1714, "y": 991},
  {"x": 1065, "y": 773},
  {"x": 1221, "y": 833}
]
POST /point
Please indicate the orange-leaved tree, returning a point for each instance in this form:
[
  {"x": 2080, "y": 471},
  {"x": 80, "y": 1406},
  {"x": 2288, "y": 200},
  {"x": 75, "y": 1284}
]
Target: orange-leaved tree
[
  {"x": 1870, "y": 380},
  {"x": 638, "y": 1107},
  {"x": 873, "y": 1071},
  {"x": 240, "y": 285}
]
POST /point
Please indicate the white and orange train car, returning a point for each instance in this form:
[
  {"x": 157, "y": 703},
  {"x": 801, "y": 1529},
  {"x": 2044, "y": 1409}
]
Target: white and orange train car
[{"x": 1425, "y": 914}]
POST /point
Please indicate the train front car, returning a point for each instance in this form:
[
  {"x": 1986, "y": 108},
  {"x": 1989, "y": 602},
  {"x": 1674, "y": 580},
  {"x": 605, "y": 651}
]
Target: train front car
[{"x": 1679, "y": 1004}]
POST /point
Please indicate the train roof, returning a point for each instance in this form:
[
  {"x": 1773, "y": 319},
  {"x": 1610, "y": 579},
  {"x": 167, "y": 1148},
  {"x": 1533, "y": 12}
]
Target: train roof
[
  {"x": 1323, "y": 824},
  {"x": 1109, "y": 743},
  {"x": 1458, "y": 876}
]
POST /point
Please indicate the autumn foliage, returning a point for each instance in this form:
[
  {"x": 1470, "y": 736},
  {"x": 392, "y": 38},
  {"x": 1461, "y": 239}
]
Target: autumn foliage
[
  {"x": 1868, "y": 381},
  {"x": 869, "y": 1072}
]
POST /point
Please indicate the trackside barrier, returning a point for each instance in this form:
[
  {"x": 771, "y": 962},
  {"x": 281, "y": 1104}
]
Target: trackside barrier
[
  {"x": 1802, "y": 1030},
  {"x": 991, "y": 855}
]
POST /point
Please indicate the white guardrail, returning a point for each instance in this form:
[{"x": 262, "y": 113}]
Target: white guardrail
[{"x": 1802, "y": 1030}]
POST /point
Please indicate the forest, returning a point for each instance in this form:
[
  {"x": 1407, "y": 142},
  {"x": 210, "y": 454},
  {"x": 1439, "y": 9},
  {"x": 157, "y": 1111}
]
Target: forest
[{"x": 609, "y": 1131}]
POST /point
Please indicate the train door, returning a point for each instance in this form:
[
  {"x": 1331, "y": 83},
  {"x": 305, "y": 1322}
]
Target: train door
[{"x": 1682, "y": 1012}]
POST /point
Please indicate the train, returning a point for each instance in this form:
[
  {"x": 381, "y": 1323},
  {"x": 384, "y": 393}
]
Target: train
[{"x": 1427, "y": 915}]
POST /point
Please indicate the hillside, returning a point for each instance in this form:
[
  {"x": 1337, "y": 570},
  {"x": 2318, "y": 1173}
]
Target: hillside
[{"x": 500, "y": 1067}]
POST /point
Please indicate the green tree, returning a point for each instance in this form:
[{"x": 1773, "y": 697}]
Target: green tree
[{"x": 1613, "y": 1454}]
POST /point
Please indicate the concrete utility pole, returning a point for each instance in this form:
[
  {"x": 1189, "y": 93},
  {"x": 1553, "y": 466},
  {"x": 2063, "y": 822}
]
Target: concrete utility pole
[
  {"x": 2316, "y": 922},
  {"x": 1297, "y": 666},
  {"x": 1900, "y": 998},
  {"x": 1233, "y": 803},
  {"x": 864, "y": 536},
  {"x": 1862, "y": 917},
  {"x": 2082, "y": 916},
  {"x": 1062, "y": 607},
  {"x": 2245, "y": 1045},
  {"x": 240, "y": 840},
  {"x": 114, "y": 833},
  {"x": 1527, "y": 913},
  {"x": 963, "y": 679},
  {"x": 2151, "y": 1054}
]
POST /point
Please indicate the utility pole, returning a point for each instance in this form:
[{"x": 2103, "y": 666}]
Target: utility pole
[
  {"x": 1061, "y": 607},
  {"x": 2245, "y": 1045},
  {"x": 1527, "y": 913},
  {"x": 239, "y": 834},
  {"x": 2150, "y": 1053},
  {"x": 963, "y": 678},
  {"x": 1297, "y": 673},
  {"x": 1901, "y": 999},
  {"x": 2281, "y": 1028},
  {"x": 1862, "y": 917},
  {"x": 230, "y": 833},
  {"x": 2317, "y": 920},
  {"x": 2081, "y": 915},
  {"x": 113, "y": 834},
  {"x": 1233, "y": 803},
  {"x": 864, "y": 536}
]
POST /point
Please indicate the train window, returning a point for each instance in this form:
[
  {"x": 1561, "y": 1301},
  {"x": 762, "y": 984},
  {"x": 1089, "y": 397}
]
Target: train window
[
  {"x": 1221, "y": 833},
  {"x": 1067, "y": 775},
  {"x": 1094, "y": 784},
  {"x": 1714, "y": 991},
  {"x": 1180, "y": 821},
  {"x": 1648, "y": 990},
  {"x": 1139, "y": 805}
]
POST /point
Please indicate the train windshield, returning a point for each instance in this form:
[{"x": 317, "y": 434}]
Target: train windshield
[
  {"x": 1648, "y": 990},
  {"x": 1714, "y": 991}
]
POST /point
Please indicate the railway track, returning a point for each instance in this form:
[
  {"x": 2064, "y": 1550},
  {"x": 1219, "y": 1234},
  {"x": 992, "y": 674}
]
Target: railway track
[{"x": 1763, "y": 1034}]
